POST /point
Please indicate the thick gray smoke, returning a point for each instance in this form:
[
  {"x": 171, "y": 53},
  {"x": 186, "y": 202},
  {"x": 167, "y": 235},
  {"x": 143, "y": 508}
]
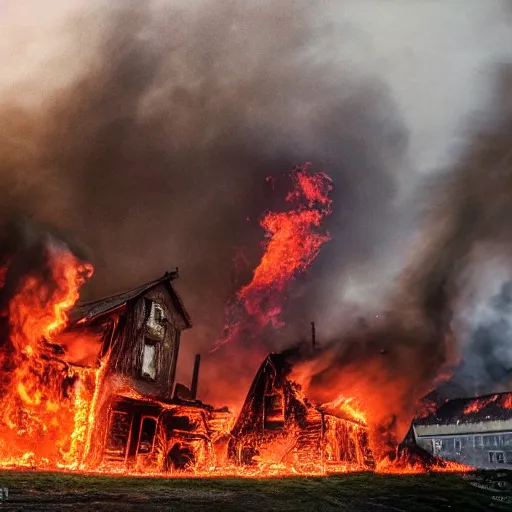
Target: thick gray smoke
[
  {"x": 481, "y": 191},
  {"x": 486, "y": 364},
  {"x": 398, "y": 359},
  {"x": 146, "y": 130}
]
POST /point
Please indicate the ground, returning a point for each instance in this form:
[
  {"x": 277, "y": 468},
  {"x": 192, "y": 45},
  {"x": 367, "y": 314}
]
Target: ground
[{"x": 363, "y": 492}]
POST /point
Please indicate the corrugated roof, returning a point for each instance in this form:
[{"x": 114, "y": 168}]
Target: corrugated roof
[
  {"x": 497, "y": 406},
  {"x": 90, "y": 310}
]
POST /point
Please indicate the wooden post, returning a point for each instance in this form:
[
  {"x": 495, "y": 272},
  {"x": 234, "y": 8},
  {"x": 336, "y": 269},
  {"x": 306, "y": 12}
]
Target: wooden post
[
  {"x": 195, "y": 377},
  {"x": 313, "y": 335}
]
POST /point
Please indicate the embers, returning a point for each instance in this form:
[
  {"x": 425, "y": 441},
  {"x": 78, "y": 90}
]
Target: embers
[{"x": 159, "y": 437}]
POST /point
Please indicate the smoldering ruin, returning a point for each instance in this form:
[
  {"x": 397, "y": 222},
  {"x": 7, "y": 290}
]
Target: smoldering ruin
[{"x": 155, "y": 145}]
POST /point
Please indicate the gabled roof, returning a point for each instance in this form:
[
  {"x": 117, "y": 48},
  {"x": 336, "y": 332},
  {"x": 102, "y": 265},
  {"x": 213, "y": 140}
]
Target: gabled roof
[
  {"x": 87, "y": 311},
  {"x": 273, "y": 365},
  {"x": 278, "y": 366},
  {"x": 497, "y": 406}
]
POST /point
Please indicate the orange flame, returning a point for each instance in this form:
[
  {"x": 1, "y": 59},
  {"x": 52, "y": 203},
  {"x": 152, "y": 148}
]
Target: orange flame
[
  {"x": 37, "y": 424},
  {"x": 478, "y": 405},
  {"x": 48, "y": 407},
  {"x": 292, "y": 245},
  {"x": 349, "y": 408}
]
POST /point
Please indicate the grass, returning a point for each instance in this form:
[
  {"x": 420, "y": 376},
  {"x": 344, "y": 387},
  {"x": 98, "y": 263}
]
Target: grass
[{"x": 355, "y": 492}]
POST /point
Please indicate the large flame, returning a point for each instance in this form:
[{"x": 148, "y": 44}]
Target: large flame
[
  {"x": 292, "y": 243},
  {"x": 45, "y": 404},
  {"x": 48, "y": 411}
]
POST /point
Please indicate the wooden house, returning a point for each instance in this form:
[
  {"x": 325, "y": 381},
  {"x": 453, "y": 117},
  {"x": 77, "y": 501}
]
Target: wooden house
[
  {"x": 140, "y": 331},
  {"x": 143, "y": 417},
  {"x": 278, "y": 424}
]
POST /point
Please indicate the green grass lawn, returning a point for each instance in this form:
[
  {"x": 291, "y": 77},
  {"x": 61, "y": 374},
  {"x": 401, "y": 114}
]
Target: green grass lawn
[{"x": 353, "y": 492}]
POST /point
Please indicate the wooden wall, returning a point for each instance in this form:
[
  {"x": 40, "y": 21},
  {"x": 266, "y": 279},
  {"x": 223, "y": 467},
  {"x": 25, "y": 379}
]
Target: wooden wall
[{"x": 129, "y": 339}]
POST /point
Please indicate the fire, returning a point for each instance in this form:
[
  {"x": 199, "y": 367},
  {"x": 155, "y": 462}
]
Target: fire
[
  {"x": 507, "y": 402},
  {"x": 349, "y": 407},
  {"x": 37, "y": 424},
  {"x": 478, "y": 405},
  {"x": 52, "y": 406},
  {"x": 292, "y": 244},
  {"x": 402, "y": 466}
]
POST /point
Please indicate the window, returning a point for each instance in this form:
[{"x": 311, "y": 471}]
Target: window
[
  {"x": 147, "y": 435},
  {"x": 158, "y": 313},
  {"x": 497, "y": 457},
  {"x": 274, "y": 410},
  {"x": 156, "y": 320},
  {"x": 458, "y": 445},
  {"x": 490, "y": 440},
  {"x": 118, "y": 432},
  {"x": 478, "y": 441},
  {"x": 149, "y": 362},
  {"x": 154, "y": 333},
  {"x": 438, "y": 445}
]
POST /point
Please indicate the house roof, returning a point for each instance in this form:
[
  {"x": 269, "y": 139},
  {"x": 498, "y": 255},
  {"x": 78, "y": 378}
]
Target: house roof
[
  {"x": 278, "y": 365},
  {"x": 89, "y": 310},
  {"x": 471, "y": 410},
  {"x": 273, "y": 364}
]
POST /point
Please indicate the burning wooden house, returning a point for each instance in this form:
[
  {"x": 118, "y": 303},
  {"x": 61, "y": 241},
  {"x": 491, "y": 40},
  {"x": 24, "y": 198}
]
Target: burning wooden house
[
  {"x": 472, "y": 431},
  {"x": 143, "y": 417},
  {"x": 279, "y": 425},
  {"x": 98, "y": 390}
]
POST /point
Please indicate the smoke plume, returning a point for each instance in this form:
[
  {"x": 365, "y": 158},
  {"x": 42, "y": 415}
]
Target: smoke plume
[
  {"x": 146, "y": 131},
  {"x": 399, "y": 358}
]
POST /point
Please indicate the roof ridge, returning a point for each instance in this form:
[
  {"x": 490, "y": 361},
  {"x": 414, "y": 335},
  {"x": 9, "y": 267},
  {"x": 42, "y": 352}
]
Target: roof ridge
[
  {"x": 89, "y": 310},
  {"x": 171, "y": 275}
]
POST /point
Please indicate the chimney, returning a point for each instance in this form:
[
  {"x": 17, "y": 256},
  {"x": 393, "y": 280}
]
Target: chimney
[
  {"x": 313, "y": 335},
  {"x": 195, "y": 377}
]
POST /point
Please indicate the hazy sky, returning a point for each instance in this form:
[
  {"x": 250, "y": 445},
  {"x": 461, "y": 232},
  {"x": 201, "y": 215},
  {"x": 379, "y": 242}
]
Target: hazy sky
[{"x": 146, "y": 133}]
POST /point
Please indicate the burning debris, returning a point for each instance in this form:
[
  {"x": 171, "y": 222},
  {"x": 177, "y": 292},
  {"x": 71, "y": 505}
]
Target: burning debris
[
  {"x": 278, "y": 419},
  {"x": 124, "y": 411},
  {"x": 92, "y": 387}
]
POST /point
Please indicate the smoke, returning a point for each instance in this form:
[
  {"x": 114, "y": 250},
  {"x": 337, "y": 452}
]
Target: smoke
[
  {"x": 146, "y": 130},
  {"x": 486, "y": 365},
  {"x": 393, "y": 363},
  {"x": 483, "y": 188}
]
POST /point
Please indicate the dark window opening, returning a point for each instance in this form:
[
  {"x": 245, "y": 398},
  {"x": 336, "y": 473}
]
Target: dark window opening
[
  {"x": 155, "y": 321},
  {"x": 158, "y": 313},
  {"x": 181, "y": 456},
  {"x": 184, "y": 423},
  {"x": 497, "y": 457},
  {"x": 274, "y": 410},
  {"x": 118, "y": 433},
  {"x": 147, "y": 435},
  {"x": 458, "y": 445}
]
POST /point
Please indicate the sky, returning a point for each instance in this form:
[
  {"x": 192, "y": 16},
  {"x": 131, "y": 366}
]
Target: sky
[{"x": 144, "y": 134}]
